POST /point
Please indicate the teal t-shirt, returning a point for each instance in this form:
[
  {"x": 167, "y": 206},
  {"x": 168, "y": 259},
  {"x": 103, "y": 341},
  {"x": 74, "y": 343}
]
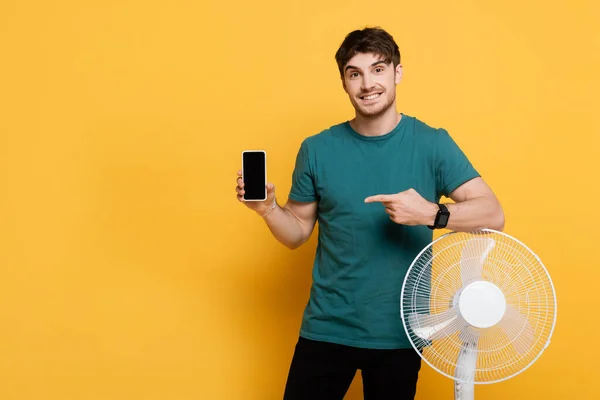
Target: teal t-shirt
[{"x": 362, "y": 256}]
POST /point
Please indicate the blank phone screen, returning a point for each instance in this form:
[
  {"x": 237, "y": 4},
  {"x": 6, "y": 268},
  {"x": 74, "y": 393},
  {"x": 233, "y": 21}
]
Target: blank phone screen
[{"x": 254, "y": 166}]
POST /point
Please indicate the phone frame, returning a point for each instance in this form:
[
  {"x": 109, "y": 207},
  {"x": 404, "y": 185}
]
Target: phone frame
[{"x": 265, "y": 156}]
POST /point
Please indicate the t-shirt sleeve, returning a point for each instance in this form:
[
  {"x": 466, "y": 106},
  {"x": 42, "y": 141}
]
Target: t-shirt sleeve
[
  {"x": 452, "y": 167},
  {"x": 303, "y": 180}
]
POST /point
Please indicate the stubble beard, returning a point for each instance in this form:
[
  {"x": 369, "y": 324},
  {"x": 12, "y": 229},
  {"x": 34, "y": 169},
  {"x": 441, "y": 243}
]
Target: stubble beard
[{"x": 374, "y": 112}]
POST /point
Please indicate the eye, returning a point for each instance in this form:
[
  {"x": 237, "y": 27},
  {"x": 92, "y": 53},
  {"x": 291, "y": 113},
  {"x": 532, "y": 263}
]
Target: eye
[
  {"x": 379, "y": 69},
  {"x": 353, "y": 74}
]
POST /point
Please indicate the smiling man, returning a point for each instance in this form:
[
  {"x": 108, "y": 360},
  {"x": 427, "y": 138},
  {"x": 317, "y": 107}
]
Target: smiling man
[{"x": 374, "y": 184}]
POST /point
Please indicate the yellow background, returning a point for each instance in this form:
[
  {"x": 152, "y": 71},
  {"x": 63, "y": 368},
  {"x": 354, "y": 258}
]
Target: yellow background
[{"x": 127, "y": 268}]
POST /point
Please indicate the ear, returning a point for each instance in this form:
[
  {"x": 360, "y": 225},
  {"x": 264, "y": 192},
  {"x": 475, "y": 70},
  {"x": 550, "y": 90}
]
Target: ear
[{"x": 398, "y": 75}]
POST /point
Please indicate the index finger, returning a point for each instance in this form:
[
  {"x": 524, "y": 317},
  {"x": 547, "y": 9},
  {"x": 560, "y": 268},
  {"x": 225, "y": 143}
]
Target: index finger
[{"x": 383, "y": 198}]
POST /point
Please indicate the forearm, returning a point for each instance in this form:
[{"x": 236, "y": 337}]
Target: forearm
[
  {"x": 285, "y": 227},
  {"x": 474, "y": 214}
]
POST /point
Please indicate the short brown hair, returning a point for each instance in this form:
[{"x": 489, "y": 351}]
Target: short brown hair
[{"x": 368, "y": 40}]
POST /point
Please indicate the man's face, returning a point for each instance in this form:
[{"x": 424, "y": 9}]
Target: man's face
[{"x": 371, "y": 83}]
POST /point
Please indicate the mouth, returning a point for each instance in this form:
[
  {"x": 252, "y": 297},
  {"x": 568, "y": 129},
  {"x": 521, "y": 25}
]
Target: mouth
[{"x": 372, "y": 96}]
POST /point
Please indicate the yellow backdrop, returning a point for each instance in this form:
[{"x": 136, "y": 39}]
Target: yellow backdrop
[{"x": 127, "y": 268}]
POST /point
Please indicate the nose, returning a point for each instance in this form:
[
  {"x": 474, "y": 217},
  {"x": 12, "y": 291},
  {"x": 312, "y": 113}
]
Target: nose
[{"x": 367, "y": 83}]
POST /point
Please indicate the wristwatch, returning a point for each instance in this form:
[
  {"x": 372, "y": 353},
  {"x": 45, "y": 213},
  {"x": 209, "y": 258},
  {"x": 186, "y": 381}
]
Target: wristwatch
[{"x": 441, "y": 218}]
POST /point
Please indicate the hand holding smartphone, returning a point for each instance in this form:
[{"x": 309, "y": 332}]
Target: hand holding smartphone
[{"x": 252, "y": 187}]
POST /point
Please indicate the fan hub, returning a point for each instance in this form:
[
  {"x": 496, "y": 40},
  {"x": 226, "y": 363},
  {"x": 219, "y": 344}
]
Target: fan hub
[{"x": 482, "y": 304}]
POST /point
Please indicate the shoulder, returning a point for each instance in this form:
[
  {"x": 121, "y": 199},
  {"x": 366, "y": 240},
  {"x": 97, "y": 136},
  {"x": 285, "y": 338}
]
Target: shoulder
[
  {"x": 324, "y": 137},
  {"x": 425, "y": 130},
  {"x": 428, "y": 136}
]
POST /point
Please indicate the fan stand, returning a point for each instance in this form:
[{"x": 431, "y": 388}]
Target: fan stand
[
  {"x": 482, "y": 305},
  {"x": 464, "y": 386}
]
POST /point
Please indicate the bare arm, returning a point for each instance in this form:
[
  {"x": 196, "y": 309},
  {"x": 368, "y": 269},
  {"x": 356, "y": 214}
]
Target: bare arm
[
  {"x": 475, "y": 207},
  {"x": 292, "y": 224}
]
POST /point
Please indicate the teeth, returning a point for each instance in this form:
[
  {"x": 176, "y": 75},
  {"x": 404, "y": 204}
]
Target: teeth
[{"x": 371, "y": 97}]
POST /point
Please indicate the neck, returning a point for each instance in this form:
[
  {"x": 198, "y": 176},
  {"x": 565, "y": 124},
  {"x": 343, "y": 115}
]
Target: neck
[{"x": 376, "y": 125}]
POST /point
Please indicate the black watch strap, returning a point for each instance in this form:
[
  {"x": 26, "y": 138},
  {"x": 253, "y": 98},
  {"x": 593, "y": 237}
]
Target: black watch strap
[{"x": 441, "y": 218}]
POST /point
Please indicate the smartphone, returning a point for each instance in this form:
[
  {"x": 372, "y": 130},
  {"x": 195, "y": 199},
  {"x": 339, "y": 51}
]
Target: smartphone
[{"x": 254, "y": 174}]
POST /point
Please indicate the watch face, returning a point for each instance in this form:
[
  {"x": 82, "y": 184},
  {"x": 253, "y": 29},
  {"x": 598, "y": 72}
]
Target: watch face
[{"x": 443, "y": 221}]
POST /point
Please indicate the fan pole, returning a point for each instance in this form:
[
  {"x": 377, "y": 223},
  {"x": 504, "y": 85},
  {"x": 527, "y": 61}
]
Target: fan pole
[
  {"x": 464, "y": 387},
  {"x": 464, "y": 391}
]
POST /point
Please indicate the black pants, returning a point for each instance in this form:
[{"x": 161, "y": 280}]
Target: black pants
[{"x": 324, "y": 371}]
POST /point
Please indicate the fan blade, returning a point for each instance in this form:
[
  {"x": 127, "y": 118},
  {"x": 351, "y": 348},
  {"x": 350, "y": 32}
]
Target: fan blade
[
  {"x": 473, "y": 257},
  {"x": 436, "y": 326},
  {"x": 517, "y": 328}
]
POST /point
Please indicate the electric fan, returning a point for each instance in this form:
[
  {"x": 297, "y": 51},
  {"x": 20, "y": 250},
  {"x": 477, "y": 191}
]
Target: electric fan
[{"x": 479, "y": 307}]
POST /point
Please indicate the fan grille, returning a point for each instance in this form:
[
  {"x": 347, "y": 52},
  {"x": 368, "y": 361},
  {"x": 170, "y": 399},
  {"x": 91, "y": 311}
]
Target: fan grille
[{"x": 434, "y": 281}]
